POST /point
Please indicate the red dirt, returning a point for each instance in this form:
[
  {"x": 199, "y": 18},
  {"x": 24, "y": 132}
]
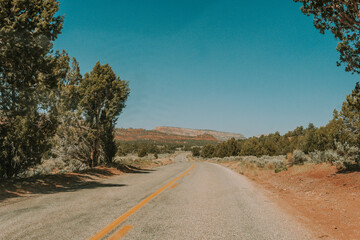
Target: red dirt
[{"x": 317, "y": 195}]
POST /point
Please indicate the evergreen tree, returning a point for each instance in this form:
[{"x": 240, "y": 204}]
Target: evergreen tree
[
  {"x": 29, "y": 71},
  {"x": 350, "y": 117},
  {"x": 207, "y": 151},
  {"x": 342, "y": 19},
  {"x": 309, "y": 140},
  {"x": 195, "y": 151},
  {"x": 103, "y": 97},
  {"x": 221, "y": 150},
  {"x": 71, "y": 138},
  {"x": 142, "y": 152}
]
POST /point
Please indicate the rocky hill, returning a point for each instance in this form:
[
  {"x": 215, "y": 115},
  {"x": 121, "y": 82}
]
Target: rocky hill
[
  {"x": 130, "y": 134},
  {"x": 221, "y": 136}
]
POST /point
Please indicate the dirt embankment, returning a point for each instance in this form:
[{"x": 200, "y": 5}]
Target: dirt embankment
[{"x": 322, "y": 198}]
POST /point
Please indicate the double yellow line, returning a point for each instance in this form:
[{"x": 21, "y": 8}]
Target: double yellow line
[{"x": 122, "y": 218}]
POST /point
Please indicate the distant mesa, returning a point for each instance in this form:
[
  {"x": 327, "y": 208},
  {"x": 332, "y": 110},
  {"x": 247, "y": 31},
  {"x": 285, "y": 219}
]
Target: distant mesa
[
  {"x": 220, "y": 136},
  {"x": 139, "y": 134},
  {"x": 174, "y": 134}
]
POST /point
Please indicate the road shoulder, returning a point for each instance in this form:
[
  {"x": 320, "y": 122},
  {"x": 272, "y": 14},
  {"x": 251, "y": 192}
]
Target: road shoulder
[{"x": 316, "y": 196}]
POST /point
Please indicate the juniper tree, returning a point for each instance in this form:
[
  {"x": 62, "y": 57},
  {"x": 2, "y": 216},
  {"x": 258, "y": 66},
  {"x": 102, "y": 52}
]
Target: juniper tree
[
  {"x": 309, "y": 140},
  {"x": 342, "y": 19},
  {"x": 195, "y": 151},
  {"x": 71, "y": 138},
  {"x": 207, "y": 151},
  {"x": 350, "y": 116},
  {"x": 103, "y": 96},
  {"x": 29, "y": 70}
]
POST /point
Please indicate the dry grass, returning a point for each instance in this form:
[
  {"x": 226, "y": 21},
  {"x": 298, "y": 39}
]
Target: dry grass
[
  {"x": 148, "y": 161},
  {"x": 251, "y": 165}
]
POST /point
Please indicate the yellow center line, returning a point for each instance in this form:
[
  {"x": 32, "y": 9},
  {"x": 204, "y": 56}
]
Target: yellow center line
[
  {"x": 121, "y": 232},
  {"x": 115, "y": 223},
  {"x": 175, "y": 184}
]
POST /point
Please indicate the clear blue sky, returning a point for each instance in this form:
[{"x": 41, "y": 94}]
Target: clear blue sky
[{"x": 251, "y": 67}]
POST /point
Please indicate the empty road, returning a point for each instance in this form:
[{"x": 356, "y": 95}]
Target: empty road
[{"x": 184, "y": 200}]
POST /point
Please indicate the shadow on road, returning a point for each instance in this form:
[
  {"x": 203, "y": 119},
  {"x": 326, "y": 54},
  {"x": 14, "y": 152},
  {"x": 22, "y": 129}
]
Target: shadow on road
[
  {"x": 69, "y": 182},
  {"x": 132, "y": 169}
]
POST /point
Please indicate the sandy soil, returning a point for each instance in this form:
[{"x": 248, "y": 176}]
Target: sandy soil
[{"x": 322, "y": 198}]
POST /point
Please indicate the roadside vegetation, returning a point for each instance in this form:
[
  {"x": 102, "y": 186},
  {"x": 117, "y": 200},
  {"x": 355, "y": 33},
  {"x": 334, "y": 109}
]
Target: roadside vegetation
[
  {"x": 305, "y": 167},
  {"x": 53, "y": 117},
  {"x": 143, "y": 148},
  {"x": 146, "y": 162},
  {"x": 48, "y": 110},
  {"x": 337, "y": 143}
]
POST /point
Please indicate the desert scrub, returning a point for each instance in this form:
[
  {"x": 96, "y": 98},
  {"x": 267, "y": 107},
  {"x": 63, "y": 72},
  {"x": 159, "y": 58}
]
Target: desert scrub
[
  {"x": 328, "y": 156},
  {"x": 143, "y": 162},
  {"x": 345, "y": 157},
  {"x": 264, "y": 162},
  {"x": 348, "y": 157},
  {"x": 280, "y": 169},
  {"x": 298, "y": 158},
  {"x": 268, "y": 162},
  {"x": 54, "y": 166}
]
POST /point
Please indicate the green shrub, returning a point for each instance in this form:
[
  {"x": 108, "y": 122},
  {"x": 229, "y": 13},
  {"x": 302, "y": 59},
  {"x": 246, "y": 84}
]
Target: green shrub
[
  {"x": 328, "y": 156},
  {"x": 207, "y": 151},
  {"x": 298, "y": 158},
  {"x": 142, "y": 152},
  {"x": 348, "y": 157},
  {"x": 195, "y": 151},
  {"x": 277, "y": 170},
  {"x": 317, "y": 156}
]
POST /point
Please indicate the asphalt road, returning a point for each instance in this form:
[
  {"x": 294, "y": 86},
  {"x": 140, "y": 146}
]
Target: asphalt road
[{"x": 207, "y": 202}]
